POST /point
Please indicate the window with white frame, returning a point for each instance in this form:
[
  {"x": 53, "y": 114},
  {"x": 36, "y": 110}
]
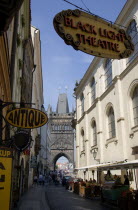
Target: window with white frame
[
  {"x": 111, "y": 123},
  {"x": 83, "y": 141},
  {"x": 94, "y": 132},
  {"x": 82, "y": 103},
  {"x": 135, "y": 105},
  {"x": 108, "y": 73},
  {"x": 132, "y": 31},
  {"x": 93, "y": 92}
]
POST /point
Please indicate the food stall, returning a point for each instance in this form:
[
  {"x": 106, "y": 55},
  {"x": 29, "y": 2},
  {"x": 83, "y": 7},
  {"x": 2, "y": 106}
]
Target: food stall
[{"x": 114, "y": 190}]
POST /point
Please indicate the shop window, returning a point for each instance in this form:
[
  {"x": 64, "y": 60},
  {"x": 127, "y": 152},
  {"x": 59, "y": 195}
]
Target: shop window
[
  {"x": 132, "y": 31},
  {"x": 135, "y": 105},
  {"x": 93, "y": 95},
  {"x": 111, "y": 123},
  {"x": 108, "y": 73},
  {"x": 94, "y": 131}
]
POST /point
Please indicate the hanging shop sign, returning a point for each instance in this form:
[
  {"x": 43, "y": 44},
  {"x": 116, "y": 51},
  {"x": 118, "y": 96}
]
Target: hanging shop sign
[
  {"x": 26, "y": 118},
  {"x": 5, "y": 177},
  {"x": 92, "y": 35},
  {"x": 21, "y": 140}
]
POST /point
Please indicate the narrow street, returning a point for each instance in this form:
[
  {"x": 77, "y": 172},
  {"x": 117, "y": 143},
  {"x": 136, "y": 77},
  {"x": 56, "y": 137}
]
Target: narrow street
[
  {"x": 58, "y": 198},
  {"x": 51, "y": 197}
]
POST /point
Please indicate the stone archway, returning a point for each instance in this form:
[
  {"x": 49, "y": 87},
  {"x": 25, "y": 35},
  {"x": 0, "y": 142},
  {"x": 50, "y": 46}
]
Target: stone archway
[{"x": 58, "y": 156}]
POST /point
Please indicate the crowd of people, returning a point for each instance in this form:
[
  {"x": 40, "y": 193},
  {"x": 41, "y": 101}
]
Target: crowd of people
[{"x": 53, "y": 177}]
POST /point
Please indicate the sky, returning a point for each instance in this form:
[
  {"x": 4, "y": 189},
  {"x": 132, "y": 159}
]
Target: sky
[{"x": 62, "y": 66}]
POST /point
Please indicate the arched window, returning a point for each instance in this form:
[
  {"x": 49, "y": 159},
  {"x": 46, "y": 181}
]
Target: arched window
[
  {"x": 94, "y": 131},
  {"x": 135, "y": 105},
  {"x": 93, "y": 95},
  {"x": 83, "y": 141},
  {"x": 108, "y": 73},
  {"x": 82, "y": 104},
  {"x": 132, "y": 31},
  {"x": 111, "y": 123}
]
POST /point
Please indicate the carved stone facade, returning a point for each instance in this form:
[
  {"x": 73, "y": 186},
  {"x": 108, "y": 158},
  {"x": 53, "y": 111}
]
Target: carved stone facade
[{"x": 61, "y": 132}]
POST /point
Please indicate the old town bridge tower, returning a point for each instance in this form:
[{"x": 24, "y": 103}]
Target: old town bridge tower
[{"x": 61, "y": 132}]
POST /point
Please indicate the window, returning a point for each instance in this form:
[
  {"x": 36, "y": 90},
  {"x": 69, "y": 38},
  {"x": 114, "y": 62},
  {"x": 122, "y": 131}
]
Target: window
[
  {"x": 82, "y": 104},
  {"x": 108, "y": 73},
  {"x": 111, "y": 123},
  {"x": 83, "y": 142},
  {"x": 135, "y": 105},
  {"x": 133, "y": 32},
  {"x": 92, "y": 90},
  {"x": 94, "y": 133}
]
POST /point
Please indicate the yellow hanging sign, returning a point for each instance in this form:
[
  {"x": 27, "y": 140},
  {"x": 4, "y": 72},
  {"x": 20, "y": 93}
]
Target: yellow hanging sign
[
  {"x": 26, "y": 118},
  {"x": 5, "y": 177},
  {"x": 93, "y": 35}
]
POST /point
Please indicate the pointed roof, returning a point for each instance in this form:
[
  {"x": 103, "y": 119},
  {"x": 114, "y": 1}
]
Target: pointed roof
[
  {"x": 62, "y": 105},
  {"x": 49, "y": 110}
]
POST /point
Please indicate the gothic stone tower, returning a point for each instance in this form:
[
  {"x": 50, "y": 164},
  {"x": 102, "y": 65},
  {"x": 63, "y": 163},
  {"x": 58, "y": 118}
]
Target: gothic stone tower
[{"x": 61, "y": 132}]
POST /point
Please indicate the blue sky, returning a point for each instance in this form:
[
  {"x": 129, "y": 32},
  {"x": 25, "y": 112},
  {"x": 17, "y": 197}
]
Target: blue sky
[{"x": 61, "y": 64}]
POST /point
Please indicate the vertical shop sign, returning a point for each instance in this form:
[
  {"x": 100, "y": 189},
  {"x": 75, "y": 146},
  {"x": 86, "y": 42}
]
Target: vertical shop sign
[{"x": 5, "y": 177}]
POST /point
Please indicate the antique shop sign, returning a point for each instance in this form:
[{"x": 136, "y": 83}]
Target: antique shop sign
[
  {"x": 5, "y": 177},
  {"x": 92, "y": 35},
  {"x": 26, "y": 118}
]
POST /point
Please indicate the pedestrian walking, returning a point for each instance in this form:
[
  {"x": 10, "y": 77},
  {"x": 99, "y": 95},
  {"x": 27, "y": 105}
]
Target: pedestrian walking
[
  {"x": 35, "y": 179},
  {"x": 40, "y": 180}
]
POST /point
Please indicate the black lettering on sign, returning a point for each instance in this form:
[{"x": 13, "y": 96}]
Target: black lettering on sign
[
  {"x": 16, "y": 117},
  {"x": 31, "y": 118},
  {"x": 2, "y": 178},
  {"x": 26, "y": 119},
  {"x": 42, "y": 118},
  {"x": 22, "y": 119},
  {"x": 2, "y": 166},
  {"x": 1, "y": 188},
  {"x": 37, "y": 118}
]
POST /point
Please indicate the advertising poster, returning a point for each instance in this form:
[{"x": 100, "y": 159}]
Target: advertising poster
[{"x": 5, "y": 177}]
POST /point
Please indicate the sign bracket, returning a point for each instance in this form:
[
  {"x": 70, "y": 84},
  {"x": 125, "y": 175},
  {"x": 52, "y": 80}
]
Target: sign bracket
[{"x": 3, "y": 105}]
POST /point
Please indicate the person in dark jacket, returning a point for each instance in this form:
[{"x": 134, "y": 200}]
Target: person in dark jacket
[{"x": 126, "y": 182}]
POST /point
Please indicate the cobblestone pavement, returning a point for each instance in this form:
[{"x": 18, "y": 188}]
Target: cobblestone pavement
[
  {"x": 58, "y": 198},
  {"x": 33, "y": 199}
]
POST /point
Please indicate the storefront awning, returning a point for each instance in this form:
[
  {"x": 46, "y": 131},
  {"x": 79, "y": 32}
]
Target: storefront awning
[
  {"x": 112, "y": 166},
  {"x": 118, "y": 166},
  {"x": 92, "y": 166}
]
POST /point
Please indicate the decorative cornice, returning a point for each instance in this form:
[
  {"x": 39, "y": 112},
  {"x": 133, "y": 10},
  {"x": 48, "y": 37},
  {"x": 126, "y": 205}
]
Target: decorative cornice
[
  {"x": 99, "y": 132},
  {"x": 120, "y": 119},
  {"x": 82, "y": 153},
  {"x": 94, "y": 147},
  {"x": 108, "y": 141},
  {"x": 82, "y": 117},
  {"x": 86, "y": 140}
]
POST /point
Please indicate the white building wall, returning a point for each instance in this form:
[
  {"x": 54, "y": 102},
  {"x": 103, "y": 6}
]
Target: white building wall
[{"x": 118, "y": 95}]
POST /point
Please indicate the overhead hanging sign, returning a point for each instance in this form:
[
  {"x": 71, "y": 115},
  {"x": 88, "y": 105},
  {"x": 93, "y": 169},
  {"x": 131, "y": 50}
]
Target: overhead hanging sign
[
  {"x": 5, "y": 177},
  {"x": 92, "y": 35},
  {"x": 26, "y": 118}
]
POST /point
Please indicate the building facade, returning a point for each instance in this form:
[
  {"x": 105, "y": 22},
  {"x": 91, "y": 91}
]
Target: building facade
[
  {"x": 61, "y": 132},
  {"x": 107, "y": 107},
  {"x": 38, "y": 101}
]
